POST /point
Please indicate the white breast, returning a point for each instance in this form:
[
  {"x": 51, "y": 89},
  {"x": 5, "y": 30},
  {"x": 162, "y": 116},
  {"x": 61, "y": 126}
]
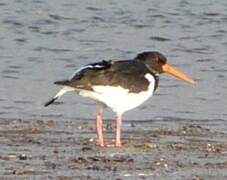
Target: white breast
[{"x": 118, "y": 98}]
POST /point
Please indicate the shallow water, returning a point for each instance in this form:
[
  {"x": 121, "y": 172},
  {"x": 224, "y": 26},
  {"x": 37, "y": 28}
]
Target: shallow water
[{"x": 44, "y": 41}]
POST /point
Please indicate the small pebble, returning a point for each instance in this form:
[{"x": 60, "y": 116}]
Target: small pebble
[
  {"x": 86, "y": 148},
  {"x": 12, "y": 156},
  {"x": 55, "y": 151},
  {"x": 151, "y": 145},
  {"x": 23, "y": 157},
  {"x": 133, "y": 125},
  {"x": 127, "y": 175}
]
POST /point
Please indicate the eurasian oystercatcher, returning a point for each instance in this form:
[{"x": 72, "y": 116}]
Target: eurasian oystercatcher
[{"x": 121, "y": 85}]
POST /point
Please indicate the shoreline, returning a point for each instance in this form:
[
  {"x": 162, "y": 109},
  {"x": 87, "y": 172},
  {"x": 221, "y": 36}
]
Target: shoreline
[{"x": 48, "y": 149}]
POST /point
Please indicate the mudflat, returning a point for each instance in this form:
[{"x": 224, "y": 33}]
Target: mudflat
[{"x": 153, "y": 149}]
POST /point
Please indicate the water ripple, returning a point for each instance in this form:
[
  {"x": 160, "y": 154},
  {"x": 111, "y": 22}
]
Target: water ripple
[
  {"x": 60, "y": 18},
  {"x": 95, "y": 9},
  {"x": 22, "y": 102},
  {"x": 158, "y": 38},
  {"x": 54, "y": 50},
  {"x": 13, "y": 22},
  {"x": 45, "y": 39},
  {"x": 2, "y": 4}
]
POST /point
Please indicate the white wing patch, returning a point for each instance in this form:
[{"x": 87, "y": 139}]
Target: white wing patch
[
  {"x": 118, "y": 98},
  {"x": 78, "y": 71}
]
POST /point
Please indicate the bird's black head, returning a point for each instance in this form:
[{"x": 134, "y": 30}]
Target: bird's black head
[
  {"x": 157, "y": 64},
  {"x": 153, "y": 60}
]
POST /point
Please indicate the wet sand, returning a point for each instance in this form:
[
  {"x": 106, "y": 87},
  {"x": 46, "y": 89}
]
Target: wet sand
[{"x": 155, "y": 149}]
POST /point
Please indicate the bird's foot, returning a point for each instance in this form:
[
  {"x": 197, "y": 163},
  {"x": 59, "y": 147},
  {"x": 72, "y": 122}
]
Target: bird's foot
[
  {"x": 101, "y": 144},
  {"x": 118, "y": 144},
  {"x": 113, "y": 146}
]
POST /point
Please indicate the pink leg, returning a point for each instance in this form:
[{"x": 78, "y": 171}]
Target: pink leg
[
  {"x": 118, "y": 131},
  {"x": 99, "y": 125}
]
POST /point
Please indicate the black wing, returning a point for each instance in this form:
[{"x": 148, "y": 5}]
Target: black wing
[
  {"x": 80, "y": 73},
  {"x": 128, "y": 74}
]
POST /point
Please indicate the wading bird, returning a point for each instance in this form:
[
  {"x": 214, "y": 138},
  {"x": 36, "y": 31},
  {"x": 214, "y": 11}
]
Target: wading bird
[{"x": 121, "y": 85}]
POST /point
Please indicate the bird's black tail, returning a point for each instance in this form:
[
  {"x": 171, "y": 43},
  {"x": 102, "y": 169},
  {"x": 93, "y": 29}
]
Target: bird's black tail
[
  {"x": 50, "y": 101},
  {"x": 61, "y": 92},
  {"x": 63, "y": 82}
]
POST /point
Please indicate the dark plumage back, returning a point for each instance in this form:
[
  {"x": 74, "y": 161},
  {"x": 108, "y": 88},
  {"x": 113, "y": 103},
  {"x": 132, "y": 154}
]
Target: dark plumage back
[{"x": 128, "y": 74}]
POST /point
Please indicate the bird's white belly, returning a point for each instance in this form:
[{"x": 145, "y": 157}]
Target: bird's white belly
[{"x": 118, "y": 98}]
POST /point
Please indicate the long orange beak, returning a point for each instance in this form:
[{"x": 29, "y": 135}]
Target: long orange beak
[{"x": 176, "y": 73}]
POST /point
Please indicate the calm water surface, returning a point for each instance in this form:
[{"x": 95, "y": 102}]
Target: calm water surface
[{"x": 44, "y": 41}]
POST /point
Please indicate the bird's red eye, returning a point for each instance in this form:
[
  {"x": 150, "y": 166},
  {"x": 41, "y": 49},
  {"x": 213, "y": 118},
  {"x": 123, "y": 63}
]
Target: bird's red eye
[
  {"x": 157, "y": 60},
  {"x": 160, "y": 61}
]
